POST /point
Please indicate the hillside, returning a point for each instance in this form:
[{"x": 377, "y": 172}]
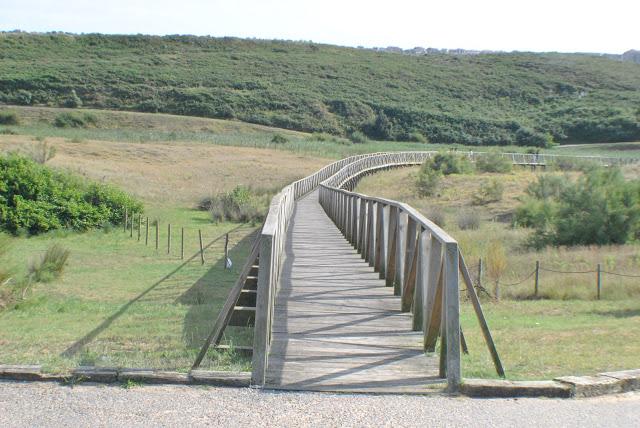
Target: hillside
[{"x": 499, "y": 99}]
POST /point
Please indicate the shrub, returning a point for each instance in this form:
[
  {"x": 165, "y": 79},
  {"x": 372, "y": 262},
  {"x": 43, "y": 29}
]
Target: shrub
[
  {"x": 74, "y": 120},
  {"x": 42, "y": 152},
  {"x": 418, "y": 138},
  {"x": 242, "y": 204},
  {"x": 358, "y": 137},
  {"x": 496, "y": 264},
  {"x": 493, "y": 162},
  {"x": 469, "y": 220},
  {"x": 449, "y": 163},
  {"x": 598, "y": 208},
  {"x": 8, "y": 131},
  {"x": 73, "y": 101},
  {"x": 437, "y": 216},
  {"x": 428, "y": 180},
  {"x": 51, "y": 265},
  {"x": 9, "y": 117},
  {"x": 36, "y": 199},
  {"x": 489, "y": 192},
  {"x": 279, "y": 139}
]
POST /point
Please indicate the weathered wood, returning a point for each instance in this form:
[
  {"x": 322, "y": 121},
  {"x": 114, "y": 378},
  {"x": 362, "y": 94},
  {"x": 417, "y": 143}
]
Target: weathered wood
[
  {"x": 390, "y": 269},
  {"x": 262, "y": 330},
  {"x": 378, "y": 263},
  {"x": 410, "y": 278},
  {"x": 401, "y": 252},
  {"x": 146, "y": 231},
  {"x": 201, "y": 247},
  {"x": 434, "y": 315},
  {"x": 371, "y": 232},
  {"x": 433, "y": 280},
  {"x": 452, "y": 316},
  {"x": 473, "y": 296},
  {"x": 419, "y": 296}
]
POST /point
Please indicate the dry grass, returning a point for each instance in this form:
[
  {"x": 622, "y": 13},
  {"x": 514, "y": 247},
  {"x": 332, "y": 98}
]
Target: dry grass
[{"x": 173, "y": 173}]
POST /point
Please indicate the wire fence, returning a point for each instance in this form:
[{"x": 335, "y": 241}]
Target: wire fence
[{"x": 534, "y": 277}]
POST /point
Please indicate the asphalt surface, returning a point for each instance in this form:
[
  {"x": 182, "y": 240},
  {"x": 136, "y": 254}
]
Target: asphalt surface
[{"x": 51, "y": 405}]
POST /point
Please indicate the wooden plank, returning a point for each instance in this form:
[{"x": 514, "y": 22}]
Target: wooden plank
[
  {"x": 262, "y": 328},
  {"x": 419, "y": 295},
  {"x": 452, "y": 316},
  {"x": 401, "y": 252},
  {"x": 434, "y": 318},
  {"x": 390, "y": 269},
  {"x": 410, "y": 278},
  {"x": 475, "y": 301}
]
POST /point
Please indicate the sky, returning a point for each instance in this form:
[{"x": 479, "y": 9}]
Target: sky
[{"x": 610, "y": 26}]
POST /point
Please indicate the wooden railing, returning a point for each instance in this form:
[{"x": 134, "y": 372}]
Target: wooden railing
[
  {"x": 272, "y": 242},
  {"x": 414, "y": 255}
]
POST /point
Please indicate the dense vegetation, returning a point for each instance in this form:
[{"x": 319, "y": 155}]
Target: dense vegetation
[
  {"x": 520, "y": 98},
  {"x": 35, "y": 199},
  {"x": 600, "y": 207}
]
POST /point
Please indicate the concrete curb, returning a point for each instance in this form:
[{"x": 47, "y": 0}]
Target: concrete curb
[
  {"x": 561, "y": 387},
  {"x": 113, "y": 375},
  {"x": 489, "y": 388}
]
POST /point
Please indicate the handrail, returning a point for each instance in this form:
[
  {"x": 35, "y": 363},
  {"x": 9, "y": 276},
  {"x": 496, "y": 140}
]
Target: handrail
[{"x": 415, "y": 256}]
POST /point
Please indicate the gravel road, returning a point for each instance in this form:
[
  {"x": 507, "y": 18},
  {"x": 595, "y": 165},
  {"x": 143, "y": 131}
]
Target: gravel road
[{"x": 49, "y": 404}]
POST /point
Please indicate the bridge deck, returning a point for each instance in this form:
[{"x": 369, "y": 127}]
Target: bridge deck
[{"x": 336, "y": 326}]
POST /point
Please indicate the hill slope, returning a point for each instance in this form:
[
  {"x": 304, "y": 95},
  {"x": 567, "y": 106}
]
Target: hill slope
[{"x": 485, "y": 99}]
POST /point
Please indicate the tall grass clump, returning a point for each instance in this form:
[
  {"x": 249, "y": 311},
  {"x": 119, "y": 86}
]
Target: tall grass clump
[
  {"x": 489, "y": 192},
  {"x": 75, "y": 120},
  {"x": 241, "y": 204},
  {"x": 469, "y": 220},
  {"x": 493, "y": 162},
  {"x": 9, "y": 117},
  {"x": 496, "y": 258},
  {"x": 51, "y": 265}
]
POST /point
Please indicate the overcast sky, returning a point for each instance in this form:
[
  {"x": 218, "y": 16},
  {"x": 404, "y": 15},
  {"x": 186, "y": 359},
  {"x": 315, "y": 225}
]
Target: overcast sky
[{"x": 611, "y": 26}]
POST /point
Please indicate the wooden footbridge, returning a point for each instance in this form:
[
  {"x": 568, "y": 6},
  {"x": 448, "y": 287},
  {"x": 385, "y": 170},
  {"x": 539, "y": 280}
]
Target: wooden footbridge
[{"x": 352, "y": 293}]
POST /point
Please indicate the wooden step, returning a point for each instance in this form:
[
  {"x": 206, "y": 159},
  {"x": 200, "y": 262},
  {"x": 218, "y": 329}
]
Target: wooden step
[
  {"x": 253, "y": 271},
  {"x": 251, "y": 283},
  {"x": 247, "y": 298},
  {"x": 242, "y": 350},
  {"x": 243, "y": 316}
]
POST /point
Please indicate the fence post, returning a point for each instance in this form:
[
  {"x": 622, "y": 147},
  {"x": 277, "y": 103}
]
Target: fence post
[
  {"x": 201, "y": 248},
  {"x": 226, "y": 250},
  {"x": 479, "y": 282},
  {"x": 126, "y": 219},
  {"x": 139, "y": 225},
  {"x": 182, "y": 243},
  {"x": 157, "y": 233},
  {"x": 535, "y": 290},
  {"x": 599, "y": 281},
  {"x": 169, "y": 238},
  {"x": 146, "y": 232},
  {"x": 131, "y": 226}
]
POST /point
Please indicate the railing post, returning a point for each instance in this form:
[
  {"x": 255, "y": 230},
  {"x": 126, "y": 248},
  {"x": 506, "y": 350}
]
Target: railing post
[
  {"x": 354, "y": 221},
  {"x": 422, "y": 273},
  {"x": 362, "y": 226},
  {"x": 262, "y": 328},
  {"x": 392, "y": 246},
  {"x": 401, "y": 251},
  {"x": 378, "y": 261},
  {"x": 452, "y": 315},
  {"x": 370, "y": 232},
  {"x": 410, "y": 248}
]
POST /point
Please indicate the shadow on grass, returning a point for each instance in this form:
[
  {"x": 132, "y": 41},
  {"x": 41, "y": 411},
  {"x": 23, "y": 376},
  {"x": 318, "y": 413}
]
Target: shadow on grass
[
  {"x": 208, "y": 294},
  {"x": 89, "y": 337},
  {"x": 619, "y": 313}
]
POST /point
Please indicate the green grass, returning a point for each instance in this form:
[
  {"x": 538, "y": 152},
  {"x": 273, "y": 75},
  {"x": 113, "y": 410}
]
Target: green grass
[
  {"x": 547, "y": 338},
  {"x": 501, "y": 99},
  {"x": 563, "y": 332},
  {"x": 121, "y": 303}
]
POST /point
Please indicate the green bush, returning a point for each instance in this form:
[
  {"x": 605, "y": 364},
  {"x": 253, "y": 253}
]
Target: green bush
[
  {"x": 75, "y": 120},
  {"x": 73, "y": 101},
  {"x": 51, "y": 265},
  {"x": 428, "y": 180},
  {"x": 358, "y": 137},
  {"x": 242, "y": 204},
  {"x": 469, "y": 220},
  {"x": 279, "y": 139},
  {"x": 449, "y": 163},
  {"x": 489, "y": 192},
  {"x": 493, "y": 162},
  {"x": 598, "y": 208},
  {"x": 36, "y": 199},
  {"x": 9, "y": 117}
]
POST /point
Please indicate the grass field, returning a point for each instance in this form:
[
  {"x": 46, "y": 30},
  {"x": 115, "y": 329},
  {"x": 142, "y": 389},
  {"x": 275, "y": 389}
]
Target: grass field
[
  {"x": 120, "y": 302},
  {"x": 564, "y": 331}
]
